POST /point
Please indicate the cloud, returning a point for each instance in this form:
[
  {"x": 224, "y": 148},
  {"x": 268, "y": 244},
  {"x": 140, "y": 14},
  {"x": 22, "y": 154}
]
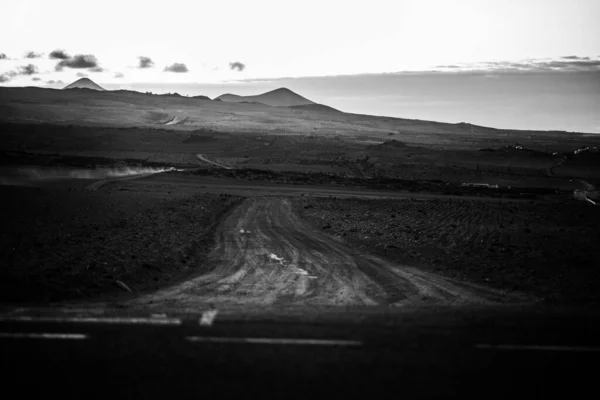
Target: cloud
[
  {"x": 33, "y": 54},
  {"x": 52, "y": 82},
  {"x": 563, "y": 64},
  {"x": 35, "y": 78},
  {"x": 3, "y": 56},
  {"x": 97, "y": 69},
  {"x": 78, "y": 61},
  {"x": 4, "y": 78},
  {"x": 119, "y": 75},
  {"x": 574, "y": 58},
  {"x": 577, "y": 65},
  {"x": 236, "y": 65},
  {"x": 59, "y": 55},
  {"x": 81, "y": 75},
  {"x": 28, "y": 69},
  {"x": 176, "y": 67},
  {"x": 145, "y": 62}
]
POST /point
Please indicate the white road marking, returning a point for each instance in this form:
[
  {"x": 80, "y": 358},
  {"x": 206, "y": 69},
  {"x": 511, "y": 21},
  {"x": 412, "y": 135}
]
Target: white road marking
[
  {"x": 72, "y": 336},
  {"x": 536, "y": 347},
  {"x": 304, "y": 342},
  {"x": 101, "y": 320},
  {"x": 208, "y": 317}
]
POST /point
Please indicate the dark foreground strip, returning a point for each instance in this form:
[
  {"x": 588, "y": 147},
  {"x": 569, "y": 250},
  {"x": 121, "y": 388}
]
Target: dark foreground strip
[
  {"x": 304, "y": 342},
  {"x": 536, "y": 348},
  {"x": 204, "y": 339}
]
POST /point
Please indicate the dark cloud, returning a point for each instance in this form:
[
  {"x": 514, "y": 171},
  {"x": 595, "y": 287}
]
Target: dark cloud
[
  {"x": 35, "y": 78},
  {"x": 59, "y": 55},
  {"x": 81, "y": 75},
  {"x": 97, "y": 69},
  {"x": 78, "y": 61},
  {"x": 580, "y": 64},
  {"x": 33, "y": 54},
  {"x": 576, "y": 65},
  {"x": 119, "y": 75},
  {"x": 574, "y": 58},
  {"x": 236, "y": 65},
  {"x": 145, "y": 62},
  {"x": 3, "y": 56},
  {"x": 28, "y": 69},
  {"x": 176, "y": 67},
  {"x": 564, "y": 64},
  {"x": 508, "y": 65},
  {"x": 7, "y": 76}
]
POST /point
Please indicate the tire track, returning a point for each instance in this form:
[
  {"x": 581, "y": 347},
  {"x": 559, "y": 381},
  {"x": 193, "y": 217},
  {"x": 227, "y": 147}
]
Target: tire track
[
  {"x": 266, "y": 255},
  {"x": 206, "y": 160}
]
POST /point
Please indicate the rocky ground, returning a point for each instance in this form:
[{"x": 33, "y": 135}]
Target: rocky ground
[
  {"x": 66, "y": 243},
  {"x": 545, "y": 249}
]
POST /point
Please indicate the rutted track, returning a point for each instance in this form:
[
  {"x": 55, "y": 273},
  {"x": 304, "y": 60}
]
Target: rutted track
[
  {"x": 92, "y": 187},
  {"x": 206, "y": 160},
  {"x": 267, "y": 256}
]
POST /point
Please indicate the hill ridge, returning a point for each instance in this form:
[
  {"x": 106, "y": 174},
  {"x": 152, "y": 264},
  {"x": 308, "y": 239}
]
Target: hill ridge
[{"x": 280, "y": 97}]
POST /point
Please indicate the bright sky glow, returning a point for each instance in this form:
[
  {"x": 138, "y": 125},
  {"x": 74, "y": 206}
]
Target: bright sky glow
[{"x": 276, "y": 38}]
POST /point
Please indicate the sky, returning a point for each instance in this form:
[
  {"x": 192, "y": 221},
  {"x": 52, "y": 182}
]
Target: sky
[{"x": 378, "y": 55}]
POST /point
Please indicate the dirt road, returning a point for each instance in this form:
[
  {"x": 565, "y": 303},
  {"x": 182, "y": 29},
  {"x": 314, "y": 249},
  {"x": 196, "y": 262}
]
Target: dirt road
[
  {"x": 206, "y": 160},
  {"x": 267, "y": 256}
]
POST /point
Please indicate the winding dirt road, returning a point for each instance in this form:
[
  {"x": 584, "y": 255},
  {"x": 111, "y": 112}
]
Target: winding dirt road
[
  {"x": 206, "y": 160},
  {"x": 267, "y": 256}
]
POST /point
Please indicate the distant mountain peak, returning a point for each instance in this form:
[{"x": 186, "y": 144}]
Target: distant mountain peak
[
  {"x": 282, "y": 89},
  {"x": 84, "y": 83},
  {"x": 280, "y": 97}
]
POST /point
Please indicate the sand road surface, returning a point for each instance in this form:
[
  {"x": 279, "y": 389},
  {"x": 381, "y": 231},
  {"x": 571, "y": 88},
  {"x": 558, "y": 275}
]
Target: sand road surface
[{"x": 267, "y": 256}]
